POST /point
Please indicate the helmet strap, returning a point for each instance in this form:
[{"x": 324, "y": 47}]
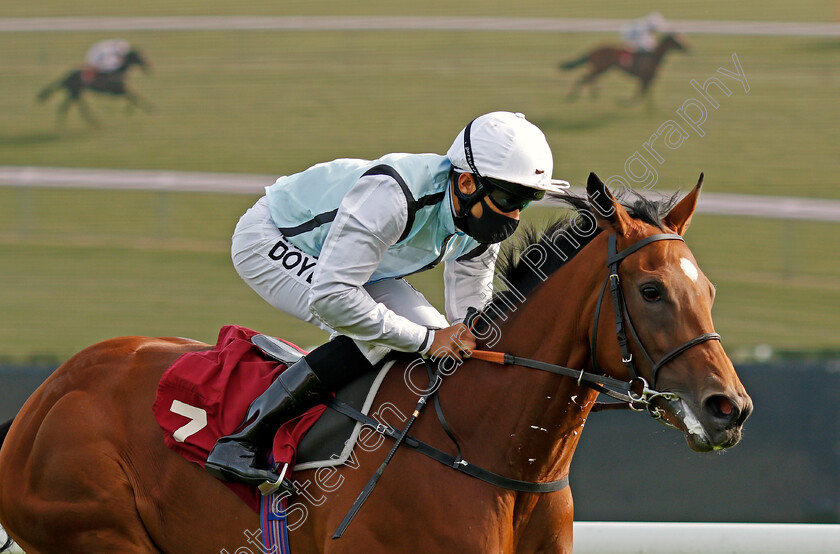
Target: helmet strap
[{"x": 467, "y": 201}]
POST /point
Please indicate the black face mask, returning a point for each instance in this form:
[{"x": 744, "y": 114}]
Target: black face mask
[{"x": 490, "y": 228}]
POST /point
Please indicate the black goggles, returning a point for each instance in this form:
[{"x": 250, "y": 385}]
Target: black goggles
[{"x": 508, "y": 197}]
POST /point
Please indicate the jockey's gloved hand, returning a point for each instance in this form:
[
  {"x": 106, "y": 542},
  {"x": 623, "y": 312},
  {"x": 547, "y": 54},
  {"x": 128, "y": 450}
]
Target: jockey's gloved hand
[{"x": 455, "y": 341}]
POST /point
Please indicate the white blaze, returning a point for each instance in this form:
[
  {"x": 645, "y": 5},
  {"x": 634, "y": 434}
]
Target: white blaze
[{"x": 689, "y": 269}]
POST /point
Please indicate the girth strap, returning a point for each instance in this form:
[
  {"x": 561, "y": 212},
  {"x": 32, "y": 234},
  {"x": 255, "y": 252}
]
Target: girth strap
[{"x": 446, "y": 459}]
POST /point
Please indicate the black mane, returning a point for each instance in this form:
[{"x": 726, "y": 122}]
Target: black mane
[{"x": 561, "y": 240}]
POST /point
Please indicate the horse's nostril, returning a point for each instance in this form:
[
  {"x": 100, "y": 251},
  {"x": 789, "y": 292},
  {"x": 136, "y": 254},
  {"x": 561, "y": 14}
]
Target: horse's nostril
[
  {"x": 724, "y": 405},
  {"x": 720, "y": 407}
]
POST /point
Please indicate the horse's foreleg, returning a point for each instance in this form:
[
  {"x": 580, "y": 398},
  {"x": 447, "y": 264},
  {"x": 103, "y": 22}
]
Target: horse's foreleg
[
  {"x": 87, "y": 114},
  {"x": 644, "y": 87},
  {"x": 645, "y": 92},
  {"x": 549, "y": 527},
  {"x": 642, "y": 92},
  {"x": 137, "y": 100},
  {"x": 63, "y": 108}
]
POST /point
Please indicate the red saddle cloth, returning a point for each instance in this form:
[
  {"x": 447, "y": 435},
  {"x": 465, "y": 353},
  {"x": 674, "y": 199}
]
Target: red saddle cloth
[{"x": 206, "y": 395}]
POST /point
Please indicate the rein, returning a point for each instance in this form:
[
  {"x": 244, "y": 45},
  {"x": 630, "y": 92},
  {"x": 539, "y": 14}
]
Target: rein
[
  {"x": 614, "y": 388},
  {"x": 454, "y": 462}
]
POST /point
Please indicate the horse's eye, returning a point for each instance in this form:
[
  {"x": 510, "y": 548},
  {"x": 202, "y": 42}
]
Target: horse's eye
[{"x": 651, "y": 293}]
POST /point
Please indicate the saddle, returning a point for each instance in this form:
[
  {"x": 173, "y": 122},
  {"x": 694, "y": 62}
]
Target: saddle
[
  {"x": 276, "y": 349},
  {"x": 205, "y": 395},
  {"x": 89, "y": 74},
  {"x": 331, "y": 439}
]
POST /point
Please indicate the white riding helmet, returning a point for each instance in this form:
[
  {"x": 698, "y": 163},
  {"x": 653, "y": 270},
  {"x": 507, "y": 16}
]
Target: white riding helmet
[{"x": 506, "y": 146}]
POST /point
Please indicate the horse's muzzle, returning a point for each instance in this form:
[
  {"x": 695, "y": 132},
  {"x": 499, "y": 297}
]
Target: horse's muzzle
[{"x": 713, "y": 425}]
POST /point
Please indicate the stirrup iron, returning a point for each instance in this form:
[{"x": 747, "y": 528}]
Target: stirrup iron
[{"x": 270, "y": 488}]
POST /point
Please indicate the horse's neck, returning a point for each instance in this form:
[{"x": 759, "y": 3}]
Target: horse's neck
[
  {"x": 534, "y": 417},
  {"x": 128, "y": 61},
  {"x": 661, "y": 49}
]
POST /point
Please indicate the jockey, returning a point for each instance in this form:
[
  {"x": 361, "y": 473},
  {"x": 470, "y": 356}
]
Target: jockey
[
  {"x": 105, "y": 56},
  {"x": 331, "y": 245},
  {"x": 639, "y": 34}
]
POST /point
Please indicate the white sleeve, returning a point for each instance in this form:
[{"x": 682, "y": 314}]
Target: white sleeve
[
  {"x": 371, "y": 218},
  {"x": 469, "y": 283}
]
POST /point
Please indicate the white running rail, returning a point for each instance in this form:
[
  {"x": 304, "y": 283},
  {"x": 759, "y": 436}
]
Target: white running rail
[{"x": 596, "y": 537}]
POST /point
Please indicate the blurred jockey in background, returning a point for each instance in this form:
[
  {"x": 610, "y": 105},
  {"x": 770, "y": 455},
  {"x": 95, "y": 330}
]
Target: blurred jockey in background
[
  {"x": 639, "y": 35},
  {"x": 105, "y": 56}
]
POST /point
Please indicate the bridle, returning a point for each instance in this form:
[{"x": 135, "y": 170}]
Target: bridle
[
  {"x": 623, "y": 322},
  {"x": 636, "y": 393}
]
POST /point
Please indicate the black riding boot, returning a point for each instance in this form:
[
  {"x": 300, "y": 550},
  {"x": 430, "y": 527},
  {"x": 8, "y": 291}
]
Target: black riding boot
[{"x": 241, "y": 457}]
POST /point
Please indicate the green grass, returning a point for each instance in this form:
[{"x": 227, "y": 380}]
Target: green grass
[
  {"x": 778, "y": 282},
  {"x": 79, "y": 266}
]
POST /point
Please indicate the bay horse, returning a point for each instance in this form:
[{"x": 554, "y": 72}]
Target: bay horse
[
  {"x": 641, "y": 65},
  {"x": 84, "y": 467},
  {"x": 77, "y": 81}
]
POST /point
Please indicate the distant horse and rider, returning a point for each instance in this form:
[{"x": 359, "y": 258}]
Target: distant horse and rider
[
  {"x": 641, "y": 57},
  {"x": 105, "y": 71}
]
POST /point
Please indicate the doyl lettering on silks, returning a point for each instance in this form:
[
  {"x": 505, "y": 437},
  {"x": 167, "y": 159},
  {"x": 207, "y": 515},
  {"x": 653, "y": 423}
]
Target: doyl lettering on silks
[{"x": 299, "y": 264}]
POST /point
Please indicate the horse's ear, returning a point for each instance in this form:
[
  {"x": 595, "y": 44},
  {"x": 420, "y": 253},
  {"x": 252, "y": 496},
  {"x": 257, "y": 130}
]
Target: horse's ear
[
  {"x": 679, "y": 218},
  {"x": 609, "y": 213}
]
